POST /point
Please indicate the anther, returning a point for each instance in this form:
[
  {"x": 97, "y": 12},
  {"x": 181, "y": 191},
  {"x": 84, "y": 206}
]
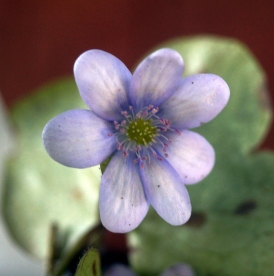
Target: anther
[
  {"x": 139, "y": 132},
  {"x": 155, "y": 110},
  {"x": 167, "y": 122},
  {"x": 145, "y": 113},
  {"x": 162, "y": 121}
]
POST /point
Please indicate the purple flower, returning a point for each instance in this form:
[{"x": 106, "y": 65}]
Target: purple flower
[
  {"x": 179, "y": 269},
  {"x": 119, "y": 270},
  {"x": 142, "y": 120}
]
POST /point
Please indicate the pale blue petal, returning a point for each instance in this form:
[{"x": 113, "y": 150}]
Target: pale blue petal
[
  {"x": 103, "y": 81},
  {"x": 123, "y": 204},
  {"x": 79, "y": 139},
  {"x": 119, "y": 270},
  {"x": 198, "y": 100},
  {"x": 190, "y": 155},
  {"x": 179, "y": 270},
  {"x": 166, "y": 192},
  {"x": 156, "y": 78}
]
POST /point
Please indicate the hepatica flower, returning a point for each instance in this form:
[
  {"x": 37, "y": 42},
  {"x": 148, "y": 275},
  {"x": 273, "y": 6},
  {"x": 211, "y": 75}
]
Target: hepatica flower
[
  {"x": 142, "y": 122},
  {"x": 179, "y": 269}
]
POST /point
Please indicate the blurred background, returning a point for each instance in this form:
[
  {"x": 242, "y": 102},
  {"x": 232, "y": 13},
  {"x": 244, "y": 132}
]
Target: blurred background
[{"x": 40, "y": 40}]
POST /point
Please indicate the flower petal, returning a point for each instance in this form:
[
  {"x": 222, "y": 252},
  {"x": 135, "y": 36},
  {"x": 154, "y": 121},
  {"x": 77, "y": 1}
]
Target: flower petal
[
  {"x": 103, "y": 81},
  {"x": 179, "y": 270},
  {"x": 123, "y": 204},
  {"x": 190, "y": 155},
  {"x": 156, "y": 78},
  {"x": 119, "y": 270},
  {"x": 78, "y": 138},
  {"x": 166, "y": 192},
  {"x": 198, "y": 100}
]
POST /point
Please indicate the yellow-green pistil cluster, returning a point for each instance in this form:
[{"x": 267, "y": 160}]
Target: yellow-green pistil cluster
[{"x": 141, "y": 131}]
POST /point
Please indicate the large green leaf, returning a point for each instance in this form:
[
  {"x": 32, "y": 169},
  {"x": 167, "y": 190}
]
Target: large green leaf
[
  {"x": 40, "y": 192},
  {"x": 231, "y": 230}
]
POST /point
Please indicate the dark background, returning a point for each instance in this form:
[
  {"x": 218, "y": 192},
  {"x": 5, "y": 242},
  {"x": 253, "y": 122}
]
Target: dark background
[{"x": 40, "y": 40}]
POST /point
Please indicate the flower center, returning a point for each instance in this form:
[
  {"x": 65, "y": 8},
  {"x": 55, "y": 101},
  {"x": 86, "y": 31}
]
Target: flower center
[
  {"x": 141, "y": 134},
  {"x": 141, "y": 131}
]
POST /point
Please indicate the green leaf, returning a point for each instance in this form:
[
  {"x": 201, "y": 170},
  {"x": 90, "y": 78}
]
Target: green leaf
[
  {"x": 231, "y": 228},
  {"x": 89, "y": 264},
  {"x": 40, "y": 192}
]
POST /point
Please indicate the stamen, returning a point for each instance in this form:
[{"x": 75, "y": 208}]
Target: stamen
[
  {"x": 119, "y": 146},
  {"x": 142, "y": 130},
  {"x": 162, "y": 121},
  {"x": 155, "y": 110}
]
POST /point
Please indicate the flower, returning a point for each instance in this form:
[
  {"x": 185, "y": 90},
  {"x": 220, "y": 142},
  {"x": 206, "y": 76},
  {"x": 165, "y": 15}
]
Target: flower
[
  {"x": 119, "y": 270},
  {"x": 179, "y": 269},
  {"x": 142, "y": 121}
]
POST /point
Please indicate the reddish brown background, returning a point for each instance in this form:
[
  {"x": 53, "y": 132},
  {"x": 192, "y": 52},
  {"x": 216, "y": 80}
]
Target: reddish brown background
[{"x": 40, "y": 40}]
